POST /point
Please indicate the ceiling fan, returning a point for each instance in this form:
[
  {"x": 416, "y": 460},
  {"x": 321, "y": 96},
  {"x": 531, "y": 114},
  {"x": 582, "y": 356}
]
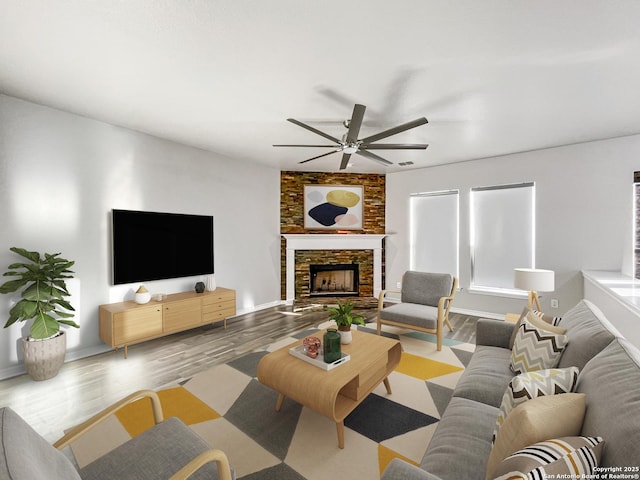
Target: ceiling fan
[{"x": 350, "y": 143}]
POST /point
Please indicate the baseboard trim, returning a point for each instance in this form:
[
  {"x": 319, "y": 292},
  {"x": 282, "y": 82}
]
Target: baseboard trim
[{"x": 477, "y": 313}]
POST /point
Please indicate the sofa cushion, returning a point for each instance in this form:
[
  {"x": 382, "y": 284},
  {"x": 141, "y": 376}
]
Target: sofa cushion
[
  {"x": 486, "y": 377},
  {"x": 588, "y": 331},
  {"x": 25, "y": 455},
  {"x": 425, "y": 288},
  {"x": 571, "y": 457},
  {"x": 537, "y": 420},
  {"x": 610, "y": 380},
  {"x": 461, "y": 443},
  {"x": 555, "y": 321},
  {"x": 412, "y": 314},
  {"x": 156, "y": 453},
  {"x": 535, "y": 384},
  {"x": 538, "y": 346}
]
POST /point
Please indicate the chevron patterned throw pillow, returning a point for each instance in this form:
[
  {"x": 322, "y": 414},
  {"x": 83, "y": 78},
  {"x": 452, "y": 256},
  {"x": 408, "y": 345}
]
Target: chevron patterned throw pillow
[
  {"x": 529, "y": 385},
  {"x": 537, "y": 345}
]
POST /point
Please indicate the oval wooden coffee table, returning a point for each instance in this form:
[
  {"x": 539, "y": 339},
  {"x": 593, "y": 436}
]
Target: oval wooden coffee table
[{"x": 334, "y": 393}]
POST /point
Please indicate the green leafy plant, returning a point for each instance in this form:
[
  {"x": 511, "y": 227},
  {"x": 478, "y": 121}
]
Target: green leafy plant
[
  {"x": 44, "y": 289},
  {"x": 342, "y": 314}
]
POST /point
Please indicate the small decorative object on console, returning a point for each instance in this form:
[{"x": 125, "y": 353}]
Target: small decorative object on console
[
  {"x": 199, "y": 287},
  {"x": 142, "y": 295},
  {"x": 331, "y": 345},
  {"x": 311, "y": 346}
]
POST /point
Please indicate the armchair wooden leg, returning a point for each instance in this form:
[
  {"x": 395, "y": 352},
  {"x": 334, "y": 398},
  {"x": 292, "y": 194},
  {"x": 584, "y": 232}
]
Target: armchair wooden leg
[{"x": 448, "y": 323}]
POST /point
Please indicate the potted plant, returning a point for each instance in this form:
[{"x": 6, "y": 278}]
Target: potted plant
[
  {"x": 344, "y": 318},
  {"x": 41, "y": 282}
]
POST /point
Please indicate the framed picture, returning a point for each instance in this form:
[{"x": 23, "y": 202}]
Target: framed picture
[{"x": 333, "y": 207}]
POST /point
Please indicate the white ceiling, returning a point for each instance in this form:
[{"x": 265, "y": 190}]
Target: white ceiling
[{"x": 492, "y": 77}]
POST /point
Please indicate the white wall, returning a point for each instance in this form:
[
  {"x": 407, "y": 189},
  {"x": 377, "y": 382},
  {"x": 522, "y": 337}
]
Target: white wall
[
  {"x": 60, "y": 176},
  {"x": 583, "y": 208}
]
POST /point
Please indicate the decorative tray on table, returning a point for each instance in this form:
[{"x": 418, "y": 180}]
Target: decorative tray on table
[{"x": 298, "y": 352}]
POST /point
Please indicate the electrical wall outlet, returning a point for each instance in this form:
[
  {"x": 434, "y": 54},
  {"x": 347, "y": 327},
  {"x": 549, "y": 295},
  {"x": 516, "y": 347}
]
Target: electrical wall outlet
[
  {"x": 555, "y": 303},
  {"x": 398, "y": 284}
]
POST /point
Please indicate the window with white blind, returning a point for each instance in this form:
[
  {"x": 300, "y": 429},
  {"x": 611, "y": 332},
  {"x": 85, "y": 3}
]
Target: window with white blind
[
  {"x": 434, "y": 232},
  {"x": 502, "y": 234}
]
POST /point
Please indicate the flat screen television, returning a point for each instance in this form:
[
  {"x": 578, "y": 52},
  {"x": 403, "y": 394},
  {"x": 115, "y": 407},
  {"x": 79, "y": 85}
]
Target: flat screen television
[{"x": 156, "y": 246}]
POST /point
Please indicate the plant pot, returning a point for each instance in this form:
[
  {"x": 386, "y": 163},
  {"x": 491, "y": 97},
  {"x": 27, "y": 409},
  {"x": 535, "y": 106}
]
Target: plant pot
[
  {"x": 43, "y": 358},
  {"x": 345, "y": 335}
]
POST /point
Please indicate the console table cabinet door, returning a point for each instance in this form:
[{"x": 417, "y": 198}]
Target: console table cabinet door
[
  {"x": 181, "y": 315},
  {"x": 137, "y": 324}
]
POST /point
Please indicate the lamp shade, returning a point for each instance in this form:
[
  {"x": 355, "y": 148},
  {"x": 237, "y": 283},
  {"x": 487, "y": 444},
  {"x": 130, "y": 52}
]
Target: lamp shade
[{"x": 534, "y": 279}]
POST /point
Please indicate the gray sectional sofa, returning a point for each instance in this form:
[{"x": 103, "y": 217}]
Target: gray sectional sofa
[{"x": 609, "y": 377}]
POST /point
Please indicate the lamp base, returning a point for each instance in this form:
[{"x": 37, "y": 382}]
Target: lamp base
[{"x": 534, "y": 300}]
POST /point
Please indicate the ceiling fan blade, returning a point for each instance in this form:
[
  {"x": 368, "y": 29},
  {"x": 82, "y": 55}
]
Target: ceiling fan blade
[
  {"x": 314, "y": 130},
  {"x": 313, "y": 146},
  {"x": 319, "y": 156},
  {"x": 395, "y": 130},
  {"x": 345, "y": 160},
  {"x": 374, "y": 157},
  {"x": 394, "y": 146},
  {"x": 355, "y": 123}
]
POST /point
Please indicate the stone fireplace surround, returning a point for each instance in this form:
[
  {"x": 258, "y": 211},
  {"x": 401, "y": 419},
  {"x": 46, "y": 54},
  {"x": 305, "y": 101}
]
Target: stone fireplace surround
[{"x": 295, "y": 242}]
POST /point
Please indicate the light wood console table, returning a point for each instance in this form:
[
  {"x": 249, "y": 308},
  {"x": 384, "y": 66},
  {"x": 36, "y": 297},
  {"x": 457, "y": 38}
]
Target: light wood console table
[
  {"x": 334, "y": 393},
  {"x": 126, "y": 323}
]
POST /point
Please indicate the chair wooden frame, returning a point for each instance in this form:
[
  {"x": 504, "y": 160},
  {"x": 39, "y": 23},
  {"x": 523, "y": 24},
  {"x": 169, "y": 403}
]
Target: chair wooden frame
[
  {"x": 444, "y": 306},
  {"x": 213, "y": 455}
]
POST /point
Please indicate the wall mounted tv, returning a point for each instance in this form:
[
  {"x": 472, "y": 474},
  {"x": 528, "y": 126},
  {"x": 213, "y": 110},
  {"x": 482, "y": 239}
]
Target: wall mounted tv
[{"x": 155, "y": 246}]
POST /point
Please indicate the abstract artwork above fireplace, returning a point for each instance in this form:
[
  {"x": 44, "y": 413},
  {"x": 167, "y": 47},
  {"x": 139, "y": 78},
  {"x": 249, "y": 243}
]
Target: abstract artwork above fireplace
[{"x": 333, "y": 207}]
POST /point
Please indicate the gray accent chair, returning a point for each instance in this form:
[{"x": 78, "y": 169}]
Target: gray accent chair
[
  {"x": 168, "y": 450},
  {"x": 425, "y": 303}
]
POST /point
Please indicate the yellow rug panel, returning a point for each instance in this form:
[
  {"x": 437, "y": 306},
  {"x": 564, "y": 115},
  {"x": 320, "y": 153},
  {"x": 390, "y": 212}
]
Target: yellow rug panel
[
  {"x": 385, "y": 455},
  {"x": 424, "y": 368},
  {"x": 176, "y": 402}
]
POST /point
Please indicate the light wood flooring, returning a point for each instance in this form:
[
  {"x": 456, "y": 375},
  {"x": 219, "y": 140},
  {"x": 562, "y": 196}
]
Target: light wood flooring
[{"x": 84, "y": 387}]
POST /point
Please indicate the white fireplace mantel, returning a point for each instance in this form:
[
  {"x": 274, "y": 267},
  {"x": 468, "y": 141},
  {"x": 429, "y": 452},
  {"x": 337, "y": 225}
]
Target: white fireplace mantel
[{"x": 332, "y": 242}]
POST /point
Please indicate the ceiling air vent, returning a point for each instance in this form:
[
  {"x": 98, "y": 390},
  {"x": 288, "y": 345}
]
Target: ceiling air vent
[{"x": 405, "y": 164}]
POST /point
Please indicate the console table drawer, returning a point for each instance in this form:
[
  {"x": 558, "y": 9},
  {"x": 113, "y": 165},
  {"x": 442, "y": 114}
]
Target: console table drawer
[
  {"x": 217, "y": 296},
  {"x": 228, "y": 309}
]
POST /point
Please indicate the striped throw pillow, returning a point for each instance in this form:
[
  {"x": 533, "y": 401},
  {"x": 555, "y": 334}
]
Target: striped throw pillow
[{"x": 575, "y": 457}]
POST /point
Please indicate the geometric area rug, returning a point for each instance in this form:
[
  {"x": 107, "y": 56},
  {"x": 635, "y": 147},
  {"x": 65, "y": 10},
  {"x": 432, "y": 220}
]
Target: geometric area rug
[{"x": 232, "y": 411}]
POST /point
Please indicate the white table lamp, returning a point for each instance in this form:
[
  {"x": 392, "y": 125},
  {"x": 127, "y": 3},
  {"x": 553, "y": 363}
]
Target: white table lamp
[{"x": 534, "y": 280}]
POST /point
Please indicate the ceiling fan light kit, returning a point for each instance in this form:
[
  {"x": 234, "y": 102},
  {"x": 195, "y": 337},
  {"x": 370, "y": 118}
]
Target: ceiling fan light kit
[{"x": 350, "y": 144}]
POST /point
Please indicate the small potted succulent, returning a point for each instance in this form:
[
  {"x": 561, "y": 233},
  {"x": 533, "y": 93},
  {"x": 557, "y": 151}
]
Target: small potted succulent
[
  {"x": 343, "y": 316},
  {"x": 41, "y": 282}
]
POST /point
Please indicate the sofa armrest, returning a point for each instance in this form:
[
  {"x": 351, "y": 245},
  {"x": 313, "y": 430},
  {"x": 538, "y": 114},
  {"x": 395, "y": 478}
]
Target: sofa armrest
[
  {"x": 493, "y": 333},
  {"x": 401, "y": 470}
]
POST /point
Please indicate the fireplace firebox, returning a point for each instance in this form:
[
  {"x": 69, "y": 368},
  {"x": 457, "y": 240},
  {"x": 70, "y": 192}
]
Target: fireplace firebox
[{"x": 338, "y": 280}]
